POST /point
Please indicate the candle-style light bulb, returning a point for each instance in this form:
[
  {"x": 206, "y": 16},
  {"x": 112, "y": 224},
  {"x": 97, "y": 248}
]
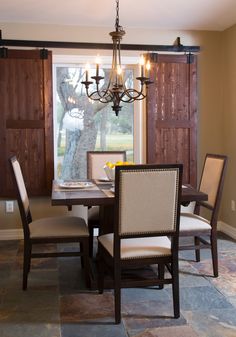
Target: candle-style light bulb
[
  {"x": 141, "y": 62},
  {"x": 118, "y": 75},
  {"x": 87, "y": 67},
  {"x": 148, "y": 67},
  {"x": 98, "y": 61}
]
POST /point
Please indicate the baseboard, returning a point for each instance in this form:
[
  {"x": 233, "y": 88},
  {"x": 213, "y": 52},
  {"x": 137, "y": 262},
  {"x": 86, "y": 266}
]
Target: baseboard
[
  {"x": 11, "y": 234},
  {"x": 227, "y": 229}
]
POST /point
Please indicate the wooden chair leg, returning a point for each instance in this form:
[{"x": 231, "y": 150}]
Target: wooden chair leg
[
  {"x": 161, "y": 273},
  {"x": 117, "y": 295},
  {"x": 175, "y": 291},
  {"x": 26, "y": 264},
  {"x": 197, "y": 250},
  {"x": 82, "y": 254},
  {"x": 29, "y": 263},
  {"x": 214, "y": 255},
  {"x": 90, "y": 228},
  {"x": 86, "y": 264},
  {"x": 100, "y": 273}
]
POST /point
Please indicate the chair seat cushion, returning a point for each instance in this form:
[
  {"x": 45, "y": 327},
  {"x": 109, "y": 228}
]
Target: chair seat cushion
[
  {"x": 58, "y": 227},
  {"x": 93, "y": 213},
  {"x": 193, "y": 222},
  {"x": 139, "y": 247}
]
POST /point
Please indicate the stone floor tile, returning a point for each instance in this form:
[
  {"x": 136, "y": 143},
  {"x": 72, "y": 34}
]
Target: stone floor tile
[
  {"x": 150, "y": 314},
  {"x": 189, "y": 276},
  {"x": 87, "y": 306},
  {"x": 175, "y": 331},
  {"x": 31, "y": 300},
  {"x": 227, "y": 265},
  {"x": 29, "y": 319},
  {"x": 48, "y": 263},
  {"x": 93, "y": 329},
  {"x": 145, "y": 322},
  {"x": 34, "y": 316},
  {"x": 71, "y": 276},
  {"x": 202, "y": 299},
  {"x": 38, "y": 279},
  {"x": 27, "y": 329},
  {"x": 225, "y": 284},
  {"x": 232, "y": 300},
  {"x": 138, "y": 295},
  {"x": 46, "y": 279},
  {"x": 5, "y": 272},
  {"x": 217, "y": 323},
  {"x": 8, "y": 250},
  {"x": 225, "y": 242}
]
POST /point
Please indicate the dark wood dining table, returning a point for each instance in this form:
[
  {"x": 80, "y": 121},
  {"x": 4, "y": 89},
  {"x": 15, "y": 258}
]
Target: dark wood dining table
[{"x": 100, "y": 194}]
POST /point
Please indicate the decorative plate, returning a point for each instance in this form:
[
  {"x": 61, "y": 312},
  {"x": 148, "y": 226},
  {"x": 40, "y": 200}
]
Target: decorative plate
[{"x": 76, "y": 184}]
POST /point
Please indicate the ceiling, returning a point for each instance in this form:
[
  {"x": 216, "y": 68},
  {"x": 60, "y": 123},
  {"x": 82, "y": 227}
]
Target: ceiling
[{"x": 160, "y": 14}]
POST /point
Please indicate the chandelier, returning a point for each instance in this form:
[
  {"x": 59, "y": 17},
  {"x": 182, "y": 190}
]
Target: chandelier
[{"x": 116, "y": 91}]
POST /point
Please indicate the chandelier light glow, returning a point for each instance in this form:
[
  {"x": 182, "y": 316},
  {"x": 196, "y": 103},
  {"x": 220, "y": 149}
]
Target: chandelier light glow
[{"x": 116, "y": 90}]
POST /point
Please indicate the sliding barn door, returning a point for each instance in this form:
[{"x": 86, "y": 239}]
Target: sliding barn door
[
  {"x": 26, "y": 127},
  {"x": 172, "y": 113}
]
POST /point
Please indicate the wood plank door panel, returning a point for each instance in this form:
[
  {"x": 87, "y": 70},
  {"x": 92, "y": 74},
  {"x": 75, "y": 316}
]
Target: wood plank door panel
[
  {"x": 172, "y": 113},
  {"x": 27, "y": 123}
]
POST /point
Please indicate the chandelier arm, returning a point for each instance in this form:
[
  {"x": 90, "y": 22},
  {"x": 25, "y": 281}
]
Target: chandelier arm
[
  {"x": 103, "y": 92},
  {"x": 133, "y": 99},
  {"x": 92, "y": 94},
  {"x": 128, "y": 96},
  {"x": 100, "y": 93},
  {"x": 99, "y": 96},
  {"x": 107, "y": 99}
]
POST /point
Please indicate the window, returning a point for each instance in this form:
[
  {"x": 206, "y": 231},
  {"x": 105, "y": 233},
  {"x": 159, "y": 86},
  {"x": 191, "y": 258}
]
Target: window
[{"x": 82, "y": 125}]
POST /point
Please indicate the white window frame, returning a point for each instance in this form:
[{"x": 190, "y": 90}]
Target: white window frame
[{"x": 139, "y": 106}]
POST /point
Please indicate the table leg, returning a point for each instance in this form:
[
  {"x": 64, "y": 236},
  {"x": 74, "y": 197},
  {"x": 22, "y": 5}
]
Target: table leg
[{"x": 106, "y": 219}]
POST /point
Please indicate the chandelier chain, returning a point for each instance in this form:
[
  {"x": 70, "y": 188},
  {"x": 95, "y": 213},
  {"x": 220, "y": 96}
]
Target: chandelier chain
[{"x": 117, "y": 15}]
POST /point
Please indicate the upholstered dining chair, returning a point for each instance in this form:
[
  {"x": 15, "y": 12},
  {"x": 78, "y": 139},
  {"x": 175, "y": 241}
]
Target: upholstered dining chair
[
  {"x": 61, "y": 229},
  {"x": 95, "y": 163},
  {"x": 204, "y": 229},
  {"x": 146, "y": 232}
]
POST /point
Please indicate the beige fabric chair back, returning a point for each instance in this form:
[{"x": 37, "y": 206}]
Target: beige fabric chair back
[
  {"x": 211, "y": 177},
  {"x": 148, "y": 199},
  {"x": 20, "y": 184},
  {"x": 97, "y": 159}
]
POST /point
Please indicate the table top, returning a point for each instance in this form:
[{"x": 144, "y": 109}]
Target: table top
[{"x": 100, "y": 194}]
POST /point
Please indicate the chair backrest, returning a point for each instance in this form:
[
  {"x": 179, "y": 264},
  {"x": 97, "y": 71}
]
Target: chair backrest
[
  {"x": 212, "y": 181},
  {"x": 22, "y": 196},
  {"x": 97, "y": 159},
  {"x": 147, "y": 200}
]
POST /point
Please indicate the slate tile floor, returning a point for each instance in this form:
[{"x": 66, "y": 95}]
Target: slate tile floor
[{"x": 57, "y": 304}]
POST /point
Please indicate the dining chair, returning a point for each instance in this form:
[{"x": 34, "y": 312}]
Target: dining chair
[
  {"x": 203, "y": 227},
  {"x": 95, "y": 163},
  {"x": 60, "y": 229},
  {"x": 146, "y": 229}
]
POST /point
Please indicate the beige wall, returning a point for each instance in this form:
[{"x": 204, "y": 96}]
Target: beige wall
[
  {"x": 211, "y": 67},
  {"x": 228, "y": 133},
  {"x": 40, "y": 207}
]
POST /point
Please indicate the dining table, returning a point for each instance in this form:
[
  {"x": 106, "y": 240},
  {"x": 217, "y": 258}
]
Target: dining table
[{"x": 101, "y": 193}]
